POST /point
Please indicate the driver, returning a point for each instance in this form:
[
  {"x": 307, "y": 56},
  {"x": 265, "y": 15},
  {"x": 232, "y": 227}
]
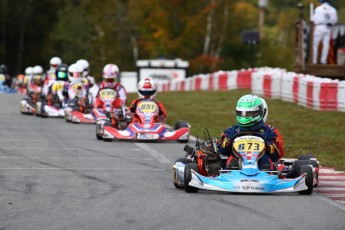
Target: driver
[
  {"x": 250, "y": 113},
  {"x": 110, "y": 80},
  {"x": 147, "y": 90}
]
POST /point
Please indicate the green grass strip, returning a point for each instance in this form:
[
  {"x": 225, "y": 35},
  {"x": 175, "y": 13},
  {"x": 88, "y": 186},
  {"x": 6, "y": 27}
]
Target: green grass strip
[{"x": 304, "y": 130}]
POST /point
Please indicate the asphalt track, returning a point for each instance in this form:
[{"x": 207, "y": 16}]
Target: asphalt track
[{"x": 56, "y": 175}]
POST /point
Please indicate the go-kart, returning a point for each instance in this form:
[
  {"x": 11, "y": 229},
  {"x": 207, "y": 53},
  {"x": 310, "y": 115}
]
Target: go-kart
[
  {"x": 78, "y": 108},
  {"x": 204, "y": 168},
  {"x": 143, "y": 125},
  {"x": 28, "y": 105},
  {"x": 52, "y": 107}
]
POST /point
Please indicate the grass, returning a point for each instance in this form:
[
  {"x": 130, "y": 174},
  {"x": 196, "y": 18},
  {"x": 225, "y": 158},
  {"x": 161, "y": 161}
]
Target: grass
[{"x": 303, "y": 130}]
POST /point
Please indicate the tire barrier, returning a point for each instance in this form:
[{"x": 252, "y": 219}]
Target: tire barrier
[{"x": 305, "y": 90}]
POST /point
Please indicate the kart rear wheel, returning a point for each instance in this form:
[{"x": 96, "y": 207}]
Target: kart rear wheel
[
  {"x": 188, "y": 177},
  {"x": 183, "y": 161},
  {"x": 309, "y": 181},
  {"x": 295, "y": 166},
  {"x": 307, "y": 157},
  {"x": 181, "y": 124}
]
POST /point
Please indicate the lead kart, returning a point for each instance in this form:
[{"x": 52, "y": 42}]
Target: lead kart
[
  {"x": 145, "y": 126},
  {"x": 204, "y": 169}
]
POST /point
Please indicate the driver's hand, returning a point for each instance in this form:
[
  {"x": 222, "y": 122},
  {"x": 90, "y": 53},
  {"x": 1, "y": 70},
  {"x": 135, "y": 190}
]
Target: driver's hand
[
  {"x": 107, "y": 114},
  {"x": 226, "y": 143}
]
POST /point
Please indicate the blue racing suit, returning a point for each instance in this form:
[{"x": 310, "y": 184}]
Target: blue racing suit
[{"x": 272, "y": 145}]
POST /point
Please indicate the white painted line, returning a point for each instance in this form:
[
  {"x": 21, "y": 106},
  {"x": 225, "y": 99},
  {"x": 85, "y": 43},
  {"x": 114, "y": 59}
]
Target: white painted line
[
  {"x": 79, "y": 158},
  {"x": 69, "y": 148},
  {"x": 329, "y": 189},
  {"x": 160, "y": 157},
  {"x": 332, "y": 183},
  {"x": 335, "y": 195},
  {"x": 101, "y": 169},
  {"x": 32, "y": 140},
  {"x": 332, "y": 177},
  {"x": 329, "y": 171}
]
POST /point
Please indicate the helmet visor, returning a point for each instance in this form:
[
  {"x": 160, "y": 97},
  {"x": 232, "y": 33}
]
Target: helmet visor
[
  {"x": 248, "y": 113},
  {"x": 147, "y": 93},
  {"x": 62, "y": 75}
]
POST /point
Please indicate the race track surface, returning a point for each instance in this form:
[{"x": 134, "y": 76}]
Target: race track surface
[{"x": 57, "y": 175}]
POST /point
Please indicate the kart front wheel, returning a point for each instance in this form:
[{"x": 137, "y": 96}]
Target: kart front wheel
[
  {"x": 99, "y": 137},
  {"x": 309, "y": 181},
  {"x": 183, "y": 161},
  {"x": 188, "y": 177}
]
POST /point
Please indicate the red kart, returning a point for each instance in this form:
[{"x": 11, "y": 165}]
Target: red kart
[{"x": 143, "y": 125}]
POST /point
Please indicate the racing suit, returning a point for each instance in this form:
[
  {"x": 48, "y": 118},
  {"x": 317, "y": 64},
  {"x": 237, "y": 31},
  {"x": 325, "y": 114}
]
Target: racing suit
[
  {"x": 272, "y": 153},
  {"x": 121, "y": 99},
  {"x": 162, "y": 112},
  {"x": 57, "y": 92}
]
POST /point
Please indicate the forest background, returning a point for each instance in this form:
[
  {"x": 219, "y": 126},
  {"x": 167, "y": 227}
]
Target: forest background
[{"x": 207, "y": 33}]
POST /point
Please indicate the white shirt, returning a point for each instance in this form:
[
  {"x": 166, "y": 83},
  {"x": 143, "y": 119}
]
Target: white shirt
[{"x": 325, "y": 14}]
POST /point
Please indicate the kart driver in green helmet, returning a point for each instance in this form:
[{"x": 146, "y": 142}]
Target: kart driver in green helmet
[{"x": 250, "y": 113}]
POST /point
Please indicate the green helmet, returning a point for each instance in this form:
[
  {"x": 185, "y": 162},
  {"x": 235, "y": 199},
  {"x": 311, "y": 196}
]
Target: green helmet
[{"x": 249, "y": 110}]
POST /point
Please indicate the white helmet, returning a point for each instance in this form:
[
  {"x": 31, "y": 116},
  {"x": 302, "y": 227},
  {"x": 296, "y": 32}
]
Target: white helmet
[
  {"x": 147, "y": 88},
  {"x": 110, "y": 73},
  {"x": 74, "y": 72},
  {"x": 29, "y": 70},
  {"x": 85, "y": 65},
  {"x": 37, "y": 70},
  {"x": 265, "y": 109},
  {"x": 55, "y": 61}
]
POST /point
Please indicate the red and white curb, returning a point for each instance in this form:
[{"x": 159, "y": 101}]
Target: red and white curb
[{"x": 332, "y": 184}]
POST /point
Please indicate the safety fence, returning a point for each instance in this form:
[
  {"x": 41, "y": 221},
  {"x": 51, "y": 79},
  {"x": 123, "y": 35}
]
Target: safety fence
[{"x": 306, "y": 90}]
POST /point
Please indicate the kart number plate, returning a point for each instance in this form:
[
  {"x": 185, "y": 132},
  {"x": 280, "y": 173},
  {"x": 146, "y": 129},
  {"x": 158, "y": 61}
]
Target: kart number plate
[{"x": 145, "y": 136}]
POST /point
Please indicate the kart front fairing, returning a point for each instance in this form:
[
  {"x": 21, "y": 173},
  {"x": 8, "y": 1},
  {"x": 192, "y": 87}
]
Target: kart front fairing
[
  {"x": 27, "y": 106},
  {"x": 45, "y": 110},
  {"x": 135, "y": 131},
  {"x": 237, "y": 181},
  {"x": 79, "y": 117},
  {"x": 146, "y": 127}
]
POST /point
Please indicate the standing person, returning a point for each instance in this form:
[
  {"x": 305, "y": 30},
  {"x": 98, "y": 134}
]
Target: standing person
[
  {"x": 250, "y": 115},
  {"x": 324, "y": 18}
]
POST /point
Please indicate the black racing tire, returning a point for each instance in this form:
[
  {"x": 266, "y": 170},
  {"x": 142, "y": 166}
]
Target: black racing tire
[
  {"x": 184, "y": 161},
  {"x": 99, "y": 137},
  {"x": 306, "y": 157},
  {"x": 188, "y": 177},
  {"x": 295, "y": 167},
  {"x": 314, "y": 163},
  {"x": 309, "y": 180},
  {"x": 181, "y": 124}
]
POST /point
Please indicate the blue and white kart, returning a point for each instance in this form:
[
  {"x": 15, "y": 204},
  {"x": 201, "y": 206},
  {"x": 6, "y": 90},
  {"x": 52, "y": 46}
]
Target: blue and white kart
[{"x": 248, "y": 178}]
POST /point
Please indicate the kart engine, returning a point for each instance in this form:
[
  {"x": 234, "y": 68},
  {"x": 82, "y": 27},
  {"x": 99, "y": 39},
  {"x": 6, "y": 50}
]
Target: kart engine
[{"x": 212, "y": 159}]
